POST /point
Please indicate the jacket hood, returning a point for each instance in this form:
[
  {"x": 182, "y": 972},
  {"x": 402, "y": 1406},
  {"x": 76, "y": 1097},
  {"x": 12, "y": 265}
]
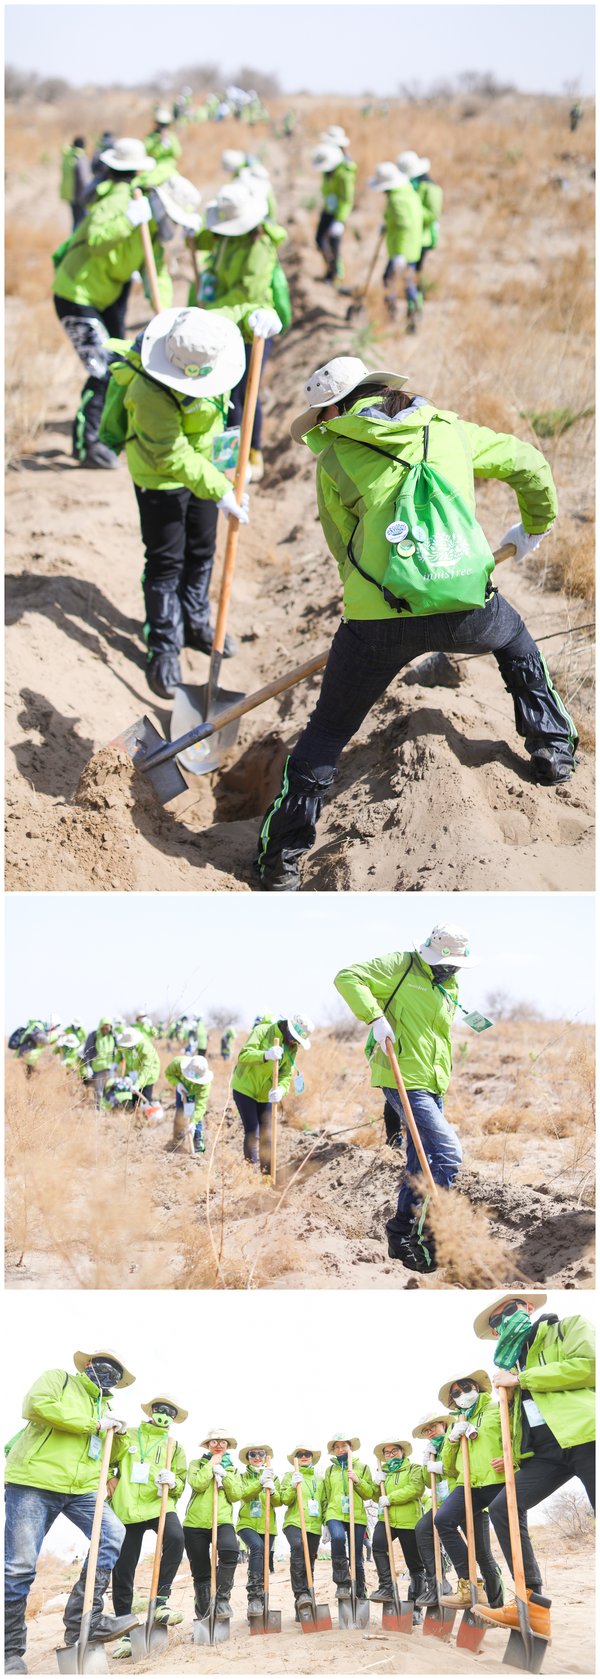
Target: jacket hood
[
  {"x": 392, "y": 435},
  {"x": 275, "y": 232}
]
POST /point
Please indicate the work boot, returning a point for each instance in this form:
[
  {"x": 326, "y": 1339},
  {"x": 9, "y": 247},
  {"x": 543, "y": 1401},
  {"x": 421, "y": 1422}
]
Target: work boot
[
  {"x": 15, "y": 1636},
  {"x": 461, "y": 1598},
  {"x": 411, "y": 1254},
  {"x": 417, "y": 1580},
  {"x": 258, "y": 466},
  {"x": 281, "y": 877},
  {"x": 508, "y": 1615},
  {"x": 384, "y": 1593},
  {"x": 103, "y": 1627},
  {"x": 225, "y": 1578},
  {"x": 200, "y": 637},
  {"x": 343, "y": 1591},
  {"x": 15, "y": 1664},
  {"x": 304, "y": 1600},
  {"x": 97, "y": 454},
  {"x": 163, "y": 674},
  {"x": 428, "y": 1597},
  {"x": 552, "y": 765},
  {"x": 396, "y": 1141},
  {"x": 121, "y": 1650},
  {"x": 201, "y": 1600},
  {"x": 256, "y": 1596}
]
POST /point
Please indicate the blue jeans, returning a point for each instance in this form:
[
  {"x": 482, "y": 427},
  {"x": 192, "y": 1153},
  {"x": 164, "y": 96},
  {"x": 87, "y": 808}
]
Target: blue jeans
[
  {"x": 30, "y": 1513},
  {"x": 256, "y": 1546},
  {"x": 339, "y": 1533},
  {"x": 440, "y": 1142}
]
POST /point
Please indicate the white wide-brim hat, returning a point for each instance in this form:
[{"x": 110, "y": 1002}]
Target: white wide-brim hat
[
  {"x": 237, "y": 209},
  {"x": 336, "y": 135},
  {"x": 296, "y": 1453},
  {"x": 128, "y": 1039},
  {"x": 300, "y": 1028},
  {"x": 426, "y": 1421},
  {"x": 482, "y": 1321},
  {"x": 413, "y": 165},
  {"x": 326, "y": 157},
  {"x": 353, "y": 1441},
  {"x": 336, "y": 380},
  {"x": 388, "y": 178},
  {"x": 243, "y": 1454},
  {"x": 130, "y": 155},
  {"x": 405, "y": 1447},
  {"x": 196, "y": 1069},
  {"x": 479, "y": 1376},
  {"x": 180, "y": 198},
  {"x": 195, "y": 351},
  {"x": 166, "y": 1399},
  {"x": 81, "y": 1361},
  {"x": 219, "y": 1434},
  {"x": 448, "y": 945},
  {"x": 232, "y": 159}
]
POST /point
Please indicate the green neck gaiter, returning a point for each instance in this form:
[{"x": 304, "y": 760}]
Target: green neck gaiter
[{"x": 513, "y": 1333}]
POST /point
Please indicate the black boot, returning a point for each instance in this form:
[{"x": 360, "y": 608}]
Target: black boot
[
  {"x": 428, "y": 1595},
  {"x": 225, "y": 1579},
  {"x": 298, "y": 1578},
  {"x": 339, "y": 1566},
  {"x": 416, "y": 1252},
  {"x": 200, "y": 638},
  {"x": 103, "y": 1627},
  {"x": 289, "y": 826},
  {"x": 385, "y": 1589},
  {"x": 201, "y": 1599},
  {"x": 541, "y": 718},
  {"x": 163, "y": 674},
  {"x": 417, "y": 1582},
  {"x": 15, "y": 1636},
  {"x": 256, "y": 1595}
]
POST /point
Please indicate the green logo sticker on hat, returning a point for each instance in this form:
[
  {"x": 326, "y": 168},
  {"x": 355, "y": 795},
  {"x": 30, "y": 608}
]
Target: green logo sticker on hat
[
  {"x": 405, "y": 549},
  {"x": 195, "y": 372}
]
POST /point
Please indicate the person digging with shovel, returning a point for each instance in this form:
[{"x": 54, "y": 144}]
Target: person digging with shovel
[
  {"x": 140, "y": 1058},
  {"x": 262, "y": 1077},
  {"x": 403, "y": 223},
  {"x": 478, "y": 1419},
  {"x": 169, "y": 408},
  {"x": 337, "y": 1512},
  {"x": 134, "y": 1490},
  {"x": 257, "y": 1477},
  {"x": 547, "y": 1366},
  {"x": 401, "y": 1486},
  {"x": 191, "y": 1078},
  {"x": 100, "y": 1056},
  {"x": 396, "y": 498},
  {"x": 53, "y": 1469},
  {"x": 215, "y": 1464},
  {"x": 314, "y": 1500},
  {"x": 411, "y": 997}
]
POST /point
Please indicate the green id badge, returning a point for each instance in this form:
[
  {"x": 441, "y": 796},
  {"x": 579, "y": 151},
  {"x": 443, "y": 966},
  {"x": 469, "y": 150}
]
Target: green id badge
[
  {"x": 226, "y": 448},
  {"x": 479, "y": 1022},
  {"x": 207, "y": 288},
  {"x": 255, "y": 1508},
  {"x": 95, "y": 1446},
  {"x": 345, "y": 1504}
]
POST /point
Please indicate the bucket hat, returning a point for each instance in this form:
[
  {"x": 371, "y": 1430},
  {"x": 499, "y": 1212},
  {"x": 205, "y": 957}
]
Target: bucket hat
[
  {"x": 479, "y": 1376},
  {"x": 296, "y": 1452},
  {"x": 165, "y": 1399},
  {"x": 180, "y": 198},
  {"x": 388, "y": 176},
  {"x": 335, "y": 134},
  {"x": 482, "y": 1321},
  {"x": 337, "y": 379},
  {"x": 81, "y": 1361},
  {"x": 237, "y": 209},
  {"x": 196, "y": 1069},
  {"x": 243, "y": 1455},
  {"x": 353, "y": 1441},
  {"x": 219, "y": 1434},
  {"x": 300, "y": 1027},
  {"x": 426, "y": 1421},
  {"x": 195, "y": 351},
  {"x": 326, "y": 157},
  {"x": 448, "y": 944},
  {"x": 413, "y": 165},
  {"x": 405, "y": 1445},
  {"x": 129, "y": 155}
]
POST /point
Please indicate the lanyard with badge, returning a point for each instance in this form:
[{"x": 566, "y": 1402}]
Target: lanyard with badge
[
  {"x": 345, "y": 1494},
  {"x": 140, "y": 1471},
  {"x": 478, "y": 1022},
  {"x": 95, "y": 1445},
  {"x": 313, "y": 1506}
]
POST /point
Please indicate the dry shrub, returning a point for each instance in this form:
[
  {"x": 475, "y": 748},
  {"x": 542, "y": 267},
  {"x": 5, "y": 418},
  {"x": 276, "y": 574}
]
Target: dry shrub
[{"x": 470, "y": 1255}]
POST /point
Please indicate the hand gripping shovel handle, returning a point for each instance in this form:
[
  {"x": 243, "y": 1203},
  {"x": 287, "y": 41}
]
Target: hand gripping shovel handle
[
  {"x": 88, "y": 1596},
  {"x": 303, "y": 1530},
  {"x": 149, "y": 262},
  {"x": 250, "y": 703},
  {"x": 432, "y": 1188},
  {"x": 233, "y": 525},
  {"x": 504, "y": 553},
  {"x": 160, "y": 1531}
]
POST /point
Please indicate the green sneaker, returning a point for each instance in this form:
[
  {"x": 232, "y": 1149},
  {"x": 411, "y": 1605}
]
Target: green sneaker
[
  {"x": 165, "y": 1617},
  {"x": 121, "y": 1650}
]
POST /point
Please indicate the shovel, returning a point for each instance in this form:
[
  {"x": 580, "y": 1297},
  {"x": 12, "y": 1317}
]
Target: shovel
[
  {"x": 355, "y": 1614},
  {"x": 200, "y": 704},
  {"x": 84, "y": 1657},
  {"x": 398, "y": 1618},
  {"x": 470, "y": 1633},
  {"x": 155, "y": 757},
  {"x": 432, "y": 1188},
  {"x": 525, "y": 1649},
  {"x": 359, "y": 302},
  {"x": 210, "y": 1630},
  {"x": 273, "y": 1160},
  {"x": 438, "y": 1622},
  {"x": 149, "y": 263},
  {"x": 314, "y": 1617},
  {"x": 150, "y": 1639},
  {"x": 270, "y": 1619}
]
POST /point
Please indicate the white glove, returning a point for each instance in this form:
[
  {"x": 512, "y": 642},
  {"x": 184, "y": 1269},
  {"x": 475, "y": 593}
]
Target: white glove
[
  {"x": 264, "y": 323},
  {"x": 192, "y": 226},
  {"x": 296, "y": 1479},
  {"x": 232, "y": 509},
  {"x": 428, "y": 1457},
  {"x": 336, "y": 230},
  {"x": 384, "y": 1502},
  {"x": 397, "y": 264},
  {"x": 382, "y": 1030},
  {"x": 165, "y": 1478},
  {"x": 219, "y": 1474},
  {"x": 138, "y": 211},
  {"x": 523, "y": 543},
  {"x": 277, "y": 1093},
  {"x": 435, "y": 1467},
  {"x": 443, "y": 1489},
  {"x": 266, "y": 1480},
  {"x": 459, "y": 1427},
  {"x": 471, "y": 1432},
  {"x": 378, "y": 1477},
  {"x": 112, "y": 1422},
  {"x": 274, "y": 1054}
]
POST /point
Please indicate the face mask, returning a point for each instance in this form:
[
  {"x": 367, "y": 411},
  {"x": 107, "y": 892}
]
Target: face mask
[
  {"x": 162, "y": 1418},
  {"x": 394, "y": 1462},
  {"x": 437, "y": 1441},
  {"x": 104, "y": 1374},
  {"x": 342, "y": 1459},
  {"x": 513, "y": 1333},
  {"x": 464, "y": 1401},
  {"x": 441, "y": 973}
]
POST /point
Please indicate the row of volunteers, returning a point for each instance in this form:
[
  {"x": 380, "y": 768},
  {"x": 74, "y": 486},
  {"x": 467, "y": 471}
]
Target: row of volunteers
[{"x": 546, "y": 1365}]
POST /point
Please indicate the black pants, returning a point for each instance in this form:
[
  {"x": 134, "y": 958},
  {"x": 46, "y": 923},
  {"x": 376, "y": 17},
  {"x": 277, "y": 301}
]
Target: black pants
[
  {"x": 297, "y": 1564},
  {"x": 328, "y": 246},
  {"x": 179, "y": 533},
  {"x": 256, "y": 1120},
  {"x": 197, "y": 1541},
  {"x": 88, "y": 329},
  {"x": 238, "y": 396},
  {"x": 408, "y": 1546},
  {"x": 483, "y": 1550},
  {"x": 365, "y": 657},
  {"x": 123, "y": 1574},
  {"x": 451, "y": 1517},
  {"x": 539, "y": 1476}
]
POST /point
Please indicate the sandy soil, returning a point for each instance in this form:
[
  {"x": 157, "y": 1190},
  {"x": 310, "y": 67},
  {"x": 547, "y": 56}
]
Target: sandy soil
[
  {"x": 435, "y": 788},
  {"x": 568, "y": 1579}
]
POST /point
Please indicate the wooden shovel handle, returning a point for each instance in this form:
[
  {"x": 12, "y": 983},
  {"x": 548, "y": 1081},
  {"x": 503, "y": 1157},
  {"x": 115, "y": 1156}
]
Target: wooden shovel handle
[
  {"x": 504, "y": 553},
  {"x": 149, "y": 262},
  {"x": 267, "y": 1546},
  {"x": 437, "y": 1549},
  {"x": 273, "y": 1171},
  {"x": 351, "y": 1514},
  {"x": 432, "y": 1188},
  {"x": 390, "y": 1542},
  {"x": 464, "y": 1446},
  {"x": 372, "y": 268},
  {"x": 233, "y": 526},
  {"x": 164, "y": 1499},
  {"x": 194, "y": 256},
  {"x": 303, "y": 1530},
  {"x": 92, "y": 1562},
  {"x": 518, "y": 1572},
  {"x": 213, "y": 1547}
]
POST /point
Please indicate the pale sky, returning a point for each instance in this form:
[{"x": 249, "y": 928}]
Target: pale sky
[
  {"x": 339, "y": 1382},
  {"x": 350, "y": 49},
  {"x": 93, "y": 953}
]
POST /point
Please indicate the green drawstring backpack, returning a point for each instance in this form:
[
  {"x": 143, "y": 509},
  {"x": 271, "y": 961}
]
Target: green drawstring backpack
[{"x": 438, "y": 558}]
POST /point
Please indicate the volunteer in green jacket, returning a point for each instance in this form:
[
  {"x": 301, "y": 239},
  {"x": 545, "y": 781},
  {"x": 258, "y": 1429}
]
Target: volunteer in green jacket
[
  {"x": 140, "y": 1057},
  {"x": 174, "y": 387},
  {"x": 432, "y": 1430},
  {"x": 242, "y": 269},
  {"x": 353, "y": 415},
  {"x": 257, "y": 1477},
  {"x": 93, "y": 268},
  {"x": 432, "y": 199},
  {"x": 245, "y": 167},
  {"x": 313, "y": 1504},
  {"x": 411, "y": 997},
  {"x": 262, "y": 1075},
  {"x": 215, "y": 1465},
  {"x": 337, "y": 1511},
  {"x": 337, "y": 186},
  {"x": 227, "y": 1041},
  {"x": 68, "y": 1047},
  {"x": 75, "y": 178},
  {"x": 548, "y": 1365},
  {"x": 191, "y": 1079},
  {"x": 135, "y": 1492},
  {"x": 401, "y": 1486},
  {"x": 100, "y": 1056},
  {"x": 162, "y": 143},
  {"x": 403, "y": 223},
  {"x": 53, "y": 1469},
  {"x": 478, "y": 1418}
]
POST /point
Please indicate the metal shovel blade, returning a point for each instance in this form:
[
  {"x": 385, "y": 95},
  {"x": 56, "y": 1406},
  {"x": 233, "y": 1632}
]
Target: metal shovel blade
[
  {"x": 353, "y": 1613},
  {"x": 139, "y": 742},
  {"x": 82, "y": 1657},
  {"x": 470, "y": 1634},
  {"x": 397, "y": 1617},
  {"x": 269, "y": 1621},
  {"x": 210, "y": 1630},
  {"x": 148, "y": 1639},
  {"x": 315, "y": 1617},
  {"x": 525, "y": 1653},
  {"x": 438, "y": 1623},
  {"x": 345, "y": 1618},
  {"x": 191, "y": 707}
]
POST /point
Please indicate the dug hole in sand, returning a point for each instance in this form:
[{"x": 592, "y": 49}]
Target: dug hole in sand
[{"x": 435, "y": 789}]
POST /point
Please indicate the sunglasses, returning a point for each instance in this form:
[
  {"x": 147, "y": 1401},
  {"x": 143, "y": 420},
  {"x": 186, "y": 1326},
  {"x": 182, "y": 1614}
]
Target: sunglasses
[
  {"x": 507, "y": 1312},
  {"x": 462, "y": 1387},
  {"x": 256, "y": 1454}
]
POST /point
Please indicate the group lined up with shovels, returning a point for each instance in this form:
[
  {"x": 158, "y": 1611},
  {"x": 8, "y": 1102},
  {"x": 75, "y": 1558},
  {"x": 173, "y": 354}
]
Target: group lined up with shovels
[{"x": 495, "y": 1448}]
